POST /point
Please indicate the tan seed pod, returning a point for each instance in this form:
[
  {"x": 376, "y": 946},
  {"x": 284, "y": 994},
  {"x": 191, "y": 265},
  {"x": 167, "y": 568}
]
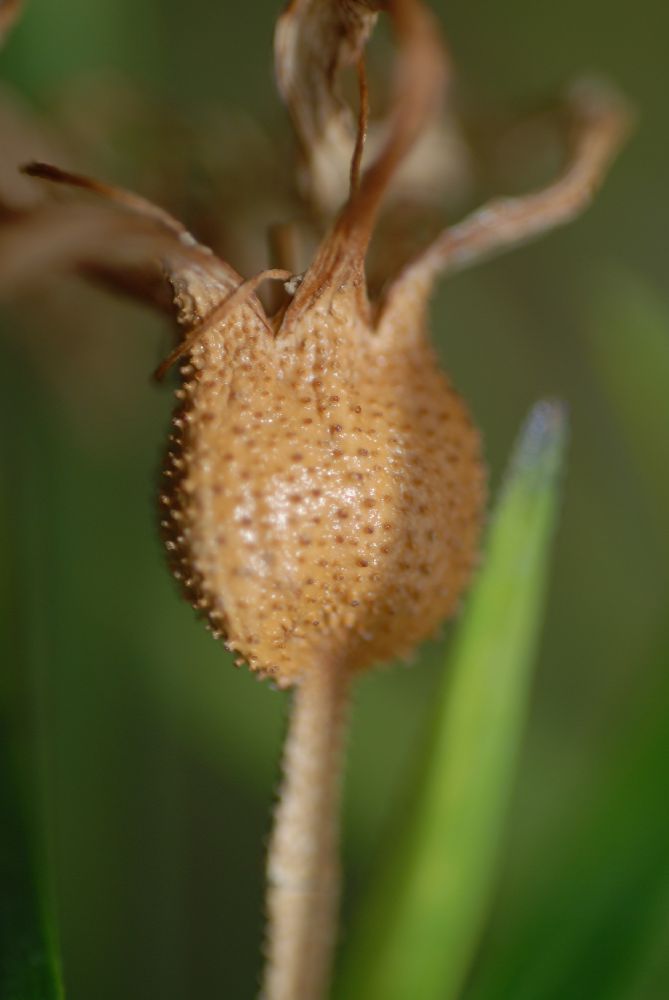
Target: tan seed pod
[
  {"x": 324, "y": 481},
  {"x": 325, "y": 486}
]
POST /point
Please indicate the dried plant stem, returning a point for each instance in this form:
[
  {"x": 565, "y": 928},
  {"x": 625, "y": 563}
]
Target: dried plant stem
[{"x": 303, "y": 861}]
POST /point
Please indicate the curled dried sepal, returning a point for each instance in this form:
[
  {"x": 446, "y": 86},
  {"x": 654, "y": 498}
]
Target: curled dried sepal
[
  {"x": 128, "y": 200},
  {"x": 418, "y": 85},
  {"x": 133, "y": 249},
  {"x": 599, "y": 121},
  {"x": 314, "y": 41}
]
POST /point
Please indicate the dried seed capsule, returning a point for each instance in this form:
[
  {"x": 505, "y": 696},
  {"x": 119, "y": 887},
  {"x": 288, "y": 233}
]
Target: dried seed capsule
[{"x": 328, "y": 485}]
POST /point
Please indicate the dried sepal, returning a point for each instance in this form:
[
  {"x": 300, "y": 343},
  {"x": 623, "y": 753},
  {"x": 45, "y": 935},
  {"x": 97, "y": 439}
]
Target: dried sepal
[
  {"x": 418, "y": 83},
  {"x": 599, "y": 121},
  {"x": 315, "y": 40},
  {"x": 128, "y": 200},
  {"x": 244, "y": 291},
  {"x": 129, "y": 249}
]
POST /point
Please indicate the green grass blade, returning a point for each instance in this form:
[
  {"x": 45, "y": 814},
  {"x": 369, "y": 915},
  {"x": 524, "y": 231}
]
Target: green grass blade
[{"x": 421, "y": 921}]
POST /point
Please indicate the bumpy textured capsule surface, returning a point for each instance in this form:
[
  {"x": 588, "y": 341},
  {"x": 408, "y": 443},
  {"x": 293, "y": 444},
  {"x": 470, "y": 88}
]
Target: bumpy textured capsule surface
[{"x": 323, "y": 487}]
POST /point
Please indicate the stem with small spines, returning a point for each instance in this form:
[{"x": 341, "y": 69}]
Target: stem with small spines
[{"x": 303, "y": 859}]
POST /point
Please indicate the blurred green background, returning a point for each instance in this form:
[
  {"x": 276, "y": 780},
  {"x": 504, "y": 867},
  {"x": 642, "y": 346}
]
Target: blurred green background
[{"x": 160, "y": 759}]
